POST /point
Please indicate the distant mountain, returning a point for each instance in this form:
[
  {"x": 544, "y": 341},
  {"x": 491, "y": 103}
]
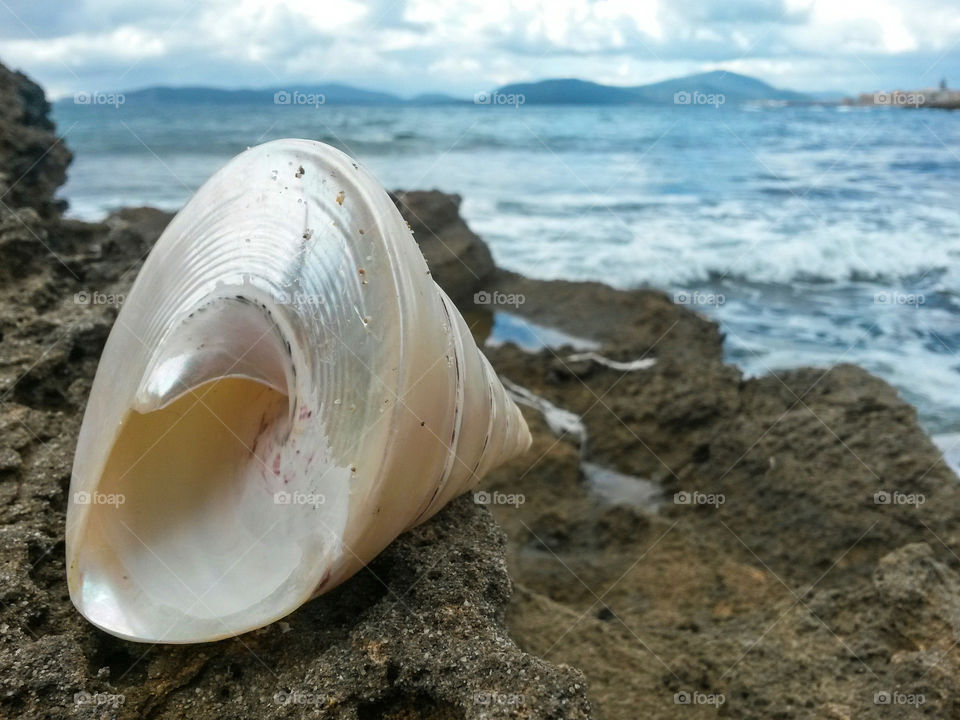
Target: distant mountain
[
  {"x": 569, "y": 92},
  {"x": 291, "y": 94},
  {"x": 733, "y": 87},
  {"x": 436, "y": 99}
]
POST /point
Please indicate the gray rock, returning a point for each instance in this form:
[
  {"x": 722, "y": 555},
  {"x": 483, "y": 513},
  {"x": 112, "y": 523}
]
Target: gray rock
[
  {"x": 33, "y": 161},
  {"x": 458, "y": 259}
]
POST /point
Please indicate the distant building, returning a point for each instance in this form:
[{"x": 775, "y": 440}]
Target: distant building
[{"x": 938, "y": 97}]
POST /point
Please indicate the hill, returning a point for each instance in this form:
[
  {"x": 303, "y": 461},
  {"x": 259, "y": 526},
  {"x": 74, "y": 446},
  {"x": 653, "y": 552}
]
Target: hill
[{"x": 733, "y": 87}]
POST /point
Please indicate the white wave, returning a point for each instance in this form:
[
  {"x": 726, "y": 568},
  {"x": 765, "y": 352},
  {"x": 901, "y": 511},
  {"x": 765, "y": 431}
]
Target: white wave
[{"x": 672, "y": 244}]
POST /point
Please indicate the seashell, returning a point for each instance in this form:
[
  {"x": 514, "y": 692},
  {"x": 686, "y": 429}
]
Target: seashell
[{"x": 285, "y": 390}]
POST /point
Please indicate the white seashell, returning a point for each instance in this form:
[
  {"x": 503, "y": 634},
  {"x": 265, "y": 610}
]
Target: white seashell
[{"x": 285, "y": 391}]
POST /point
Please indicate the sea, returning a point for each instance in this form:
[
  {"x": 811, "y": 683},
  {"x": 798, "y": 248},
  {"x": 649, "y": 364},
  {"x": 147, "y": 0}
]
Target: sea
[{"x": 814, "y": 235}]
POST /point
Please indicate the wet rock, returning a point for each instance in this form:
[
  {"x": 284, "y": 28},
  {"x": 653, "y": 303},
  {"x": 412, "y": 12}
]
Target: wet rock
[
  {"x": 33, "y": 161},
  {"x": 804, "y": 563},
  {"x": 642, "y": 323},
  {"x": 458, "y": 259}
]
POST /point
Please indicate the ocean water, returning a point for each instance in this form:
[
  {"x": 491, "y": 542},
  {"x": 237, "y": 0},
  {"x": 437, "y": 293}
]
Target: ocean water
[{"x": 814, "y": 235}]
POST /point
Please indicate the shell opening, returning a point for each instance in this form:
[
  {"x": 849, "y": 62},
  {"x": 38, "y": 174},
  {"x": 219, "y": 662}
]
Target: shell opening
[{"x": 208, "y": 519}]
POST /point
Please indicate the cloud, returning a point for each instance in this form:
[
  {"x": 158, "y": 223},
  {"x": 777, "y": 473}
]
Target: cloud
[{"x": 411, "y": 46}]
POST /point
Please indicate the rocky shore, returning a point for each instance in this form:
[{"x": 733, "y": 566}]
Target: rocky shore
[{"x": 680, "y": 542}]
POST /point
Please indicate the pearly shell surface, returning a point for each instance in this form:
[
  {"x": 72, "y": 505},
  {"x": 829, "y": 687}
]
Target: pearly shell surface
[{"x": 285, "y": 390}]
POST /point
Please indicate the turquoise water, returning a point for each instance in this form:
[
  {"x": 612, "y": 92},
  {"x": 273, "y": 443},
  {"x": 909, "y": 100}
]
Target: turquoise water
[{"x": 814, "y": 235}]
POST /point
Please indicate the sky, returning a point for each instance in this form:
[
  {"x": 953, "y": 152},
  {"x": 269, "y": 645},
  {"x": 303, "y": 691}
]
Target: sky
[{"x": 465, "y": 46}]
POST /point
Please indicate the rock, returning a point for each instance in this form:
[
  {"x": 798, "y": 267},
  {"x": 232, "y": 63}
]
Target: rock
[
  {"x": 458, "y": 259},
  {"x": 23, "y": 242},
  {"x": 146, "y": 222},
  {"x": 419, "y": 633},
  {"x": 642, "y": 322},
  {"x": 921, "y": 596},
  {"x": 33, "y": 160},
  {"x": 815, "y": 576}
]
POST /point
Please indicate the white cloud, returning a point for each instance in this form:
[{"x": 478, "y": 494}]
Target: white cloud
[
  {"x": 124, "y": 44},
  {"x": 418, "y": 45}
]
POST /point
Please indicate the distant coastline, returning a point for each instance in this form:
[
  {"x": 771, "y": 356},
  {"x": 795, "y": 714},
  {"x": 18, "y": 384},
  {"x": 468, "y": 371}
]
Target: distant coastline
[
  {"x": 941, "y": 98},
  {"x": 717, "y": 88},
  {"x": 712, "y": 88}
]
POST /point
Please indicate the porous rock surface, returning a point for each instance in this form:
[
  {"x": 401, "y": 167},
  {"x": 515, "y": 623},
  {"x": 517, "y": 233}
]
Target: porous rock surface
[
  {"x": 33, "y": 161},
  {"x": 458, "y": 259}
]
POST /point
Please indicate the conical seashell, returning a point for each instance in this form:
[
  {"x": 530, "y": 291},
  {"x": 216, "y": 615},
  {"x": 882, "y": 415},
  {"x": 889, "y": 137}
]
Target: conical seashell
[{"x": 284, "y": 392}]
